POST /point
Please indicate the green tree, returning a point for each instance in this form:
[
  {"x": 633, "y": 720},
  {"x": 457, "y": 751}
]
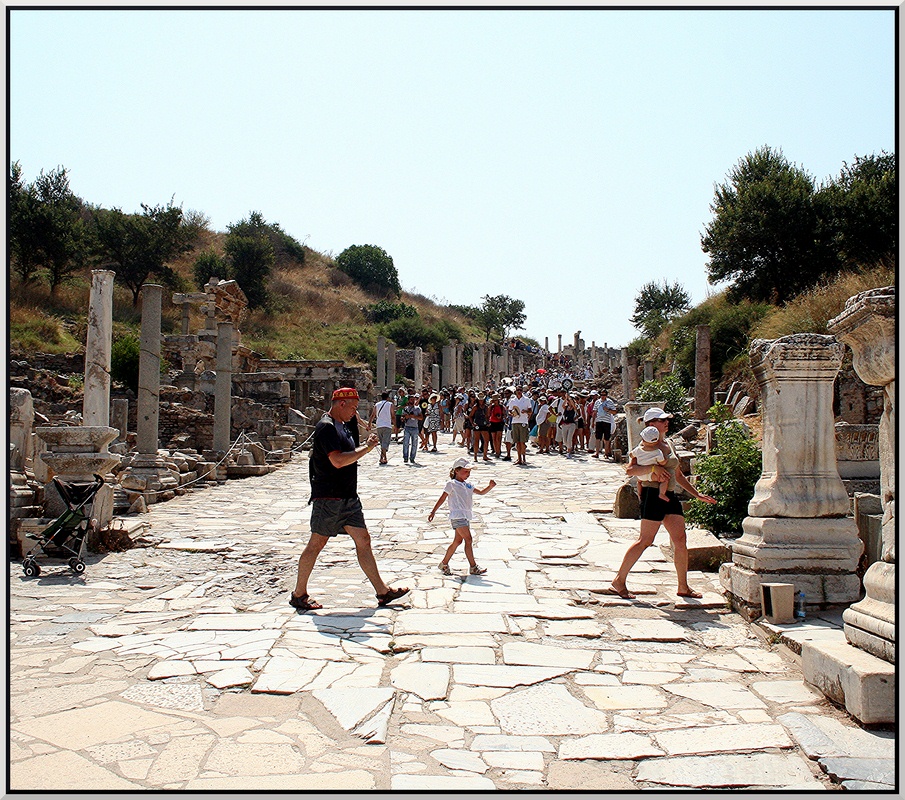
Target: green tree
[
  {"x": 371, "y": 268},
  {"x": 656, "y": 304},
  {"x": 139, "y": 246},
  {"x": 767, "y": 234},
  {"x": 287, "y": 252},
  {"x": 860, "y": 208},
  {"x": 210, "y": 265},
  {"x": 499, "y": 314},
  {"x": 25, "y": 226},
  {"x": 251, "y": 262},
  {"x": 47, "y": 229}
]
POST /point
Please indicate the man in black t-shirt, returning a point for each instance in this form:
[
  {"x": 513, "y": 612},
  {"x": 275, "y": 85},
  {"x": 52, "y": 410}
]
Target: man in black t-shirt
[{"x": 333, "y": 472}]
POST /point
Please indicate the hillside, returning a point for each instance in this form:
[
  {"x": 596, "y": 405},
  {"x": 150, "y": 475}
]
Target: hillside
[{"x": 316, "y": 312}]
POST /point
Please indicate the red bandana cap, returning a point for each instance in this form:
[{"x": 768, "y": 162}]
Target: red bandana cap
[{"x": 345, "y": 393}]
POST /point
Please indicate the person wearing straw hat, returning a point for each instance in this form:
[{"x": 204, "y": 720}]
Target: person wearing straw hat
[
  {"x": 335, "y": 505},
  {"x": 656, "y": 512}
]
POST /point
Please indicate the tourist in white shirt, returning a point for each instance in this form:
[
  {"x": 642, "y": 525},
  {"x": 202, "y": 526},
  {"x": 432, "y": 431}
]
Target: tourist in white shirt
[
  {"x": 604, "y": 423},
  {"x": 520, "y": 407}
]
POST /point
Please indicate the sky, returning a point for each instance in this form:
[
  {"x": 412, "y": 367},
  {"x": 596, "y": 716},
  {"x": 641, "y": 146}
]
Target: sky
[{"x": 561, "y": 157}]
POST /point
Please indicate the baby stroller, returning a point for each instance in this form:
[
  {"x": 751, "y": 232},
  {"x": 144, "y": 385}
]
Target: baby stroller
[{"x": 65, "y": 536}]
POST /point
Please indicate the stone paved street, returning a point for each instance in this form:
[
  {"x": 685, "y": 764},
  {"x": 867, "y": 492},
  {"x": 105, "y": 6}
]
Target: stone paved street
[{"x": 183, "y": 667}]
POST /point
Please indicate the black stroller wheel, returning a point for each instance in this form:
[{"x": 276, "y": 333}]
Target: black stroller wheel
[
  {"x": 31, "y": 569},
  {"x": 77, "y": 566}
]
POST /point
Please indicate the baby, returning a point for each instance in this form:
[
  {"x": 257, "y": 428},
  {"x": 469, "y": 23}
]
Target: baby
[{"x": 648, "y": 454}]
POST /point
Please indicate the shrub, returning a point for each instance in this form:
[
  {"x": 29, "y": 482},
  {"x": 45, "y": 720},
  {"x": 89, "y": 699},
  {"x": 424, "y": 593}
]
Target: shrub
[
  {"x": 124, "y": 357},
  {"x": 728, "y": 473},
  {"x": 719, "y": 412},
  {"x": 385, "y": 311},
  {"x": 670, "y": 391},
  {"x": 410, "y": 332},
  {"x": 371, "y": 267},
  {"x": 209, "y": 265},
  {"x": 730, "y": 324}
]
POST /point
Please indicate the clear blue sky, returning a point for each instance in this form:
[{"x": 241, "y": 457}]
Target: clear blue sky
[{"x": 564, "y": 158}]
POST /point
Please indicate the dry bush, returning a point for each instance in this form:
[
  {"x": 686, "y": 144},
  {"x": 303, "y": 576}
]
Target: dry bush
[{"x": 810, "y": 311}]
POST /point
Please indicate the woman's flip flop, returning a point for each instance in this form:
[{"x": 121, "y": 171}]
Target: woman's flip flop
[{"x": 690, "y": 593}]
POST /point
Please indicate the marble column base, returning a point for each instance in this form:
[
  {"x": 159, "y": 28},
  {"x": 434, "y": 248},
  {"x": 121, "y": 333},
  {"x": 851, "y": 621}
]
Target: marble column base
[
  {"x": 743, "y": 587},
  {"x": 788, "y": 544},
  {"x": 871, "y": 623},
  {"x": 151, "y": 477}
]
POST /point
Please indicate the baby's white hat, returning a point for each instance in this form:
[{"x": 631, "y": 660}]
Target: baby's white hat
[{"x": 650, "y": 434}]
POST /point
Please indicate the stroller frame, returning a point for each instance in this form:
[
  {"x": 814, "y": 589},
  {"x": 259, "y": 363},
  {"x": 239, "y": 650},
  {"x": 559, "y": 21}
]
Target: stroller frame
[{"x": 66, "y": 536}]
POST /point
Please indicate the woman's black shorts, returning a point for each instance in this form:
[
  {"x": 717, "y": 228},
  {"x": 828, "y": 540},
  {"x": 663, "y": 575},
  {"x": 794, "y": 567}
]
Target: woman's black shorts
[
  {"x": 653, "y": 508},
  {"x": 603, "y": 430},
  {"x": 495, "y": 427}
]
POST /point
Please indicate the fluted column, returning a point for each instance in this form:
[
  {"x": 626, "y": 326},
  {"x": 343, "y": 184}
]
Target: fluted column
[{"x": 868, "y": 326}]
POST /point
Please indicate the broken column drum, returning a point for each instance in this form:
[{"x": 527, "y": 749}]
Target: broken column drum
[
  {"x": 381, "y": 363},
  {"x": 702, "y": 371},
  {"x": 797, "y": 529},
  {"x": 98, "y": 346},
  {"x": 868, "y": 326}
]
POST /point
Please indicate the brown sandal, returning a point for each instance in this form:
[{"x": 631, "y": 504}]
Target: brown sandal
[
  {"x": 390, "y": 596},
  {"x": 304, "y": 603}
]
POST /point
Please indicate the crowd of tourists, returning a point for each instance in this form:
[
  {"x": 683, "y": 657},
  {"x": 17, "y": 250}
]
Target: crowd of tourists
[{"x": 543, "y": 409}]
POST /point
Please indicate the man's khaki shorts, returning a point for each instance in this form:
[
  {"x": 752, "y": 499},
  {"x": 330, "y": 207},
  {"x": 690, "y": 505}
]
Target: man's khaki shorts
[{"x": 519, "y": 433}]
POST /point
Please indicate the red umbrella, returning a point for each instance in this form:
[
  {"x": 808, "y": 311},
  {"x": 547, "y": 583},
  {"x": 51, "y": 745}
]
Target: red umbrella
[{"x": 541, "y": 371}]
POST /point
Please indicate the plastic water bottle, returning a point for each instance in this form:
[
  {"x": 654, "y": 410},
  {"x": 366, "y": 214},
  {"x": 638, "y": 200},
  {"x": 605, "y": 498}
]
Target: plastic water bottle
[{"x": 800, "y": 607}]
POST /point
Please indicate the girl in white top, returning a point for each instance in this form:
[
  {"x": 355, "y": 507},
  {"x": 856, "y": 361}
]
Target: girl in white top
[{"x": 460, "y": 491}]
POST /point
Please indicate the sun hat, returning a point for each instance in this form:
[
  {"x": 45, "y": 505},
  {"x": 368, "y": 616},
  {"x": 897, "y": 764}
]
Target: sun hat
[
  {"x": 462, "y": 463},
  {"x": 345, "y": 393},
  {"x": 655, "y": 413},
  {"x": 650, "y": 434}
]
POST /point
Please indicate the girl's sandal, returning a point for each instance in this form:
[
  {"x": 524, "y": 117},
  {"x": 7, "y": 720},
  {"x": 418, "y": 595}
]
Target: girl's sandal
[
  {"x": 476, "y": 570},
  {"x": 444, "y": 568}
]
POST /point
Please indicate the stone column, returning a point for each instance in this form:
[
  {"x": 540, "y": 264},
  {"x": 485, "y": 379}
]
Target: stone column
[
  {"x": 521, "y": 364},
  {"x": 702, "y": 371},
  {"x": 626, "y": 384},
  {"x": 419, "y": 369},
  {"x": 223, "y": 387},
  {"x": 149, "y": 474},
  {"x": 149, "y": 369},
  {"x": 797, "y": 530},
  {"x": 381, "y": 363},
  {"x": 448, "y": 370},
  {"x": 96, "y": 403},
  {"x": 868, "y": 326},
  {"x": 435, "y": 377},
  {"x": 632, "y": 376},
  {"x": 460, "y": 365},
  {"x": 119, "y": 417},
  {"x": 648, "y": 370},
  {"x": 559, "y": 343},
  {"x": 577, "y": 344},
  {"x": 391, "y": 364},
  {"x": 547, "y": 343}
]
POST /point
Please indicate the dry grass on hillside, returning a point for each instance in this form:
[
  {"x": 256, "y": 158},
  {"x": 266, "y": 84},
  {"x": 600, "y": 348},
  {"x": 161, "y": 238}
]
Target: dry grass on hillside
[{"x": 811, "y": 311}]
